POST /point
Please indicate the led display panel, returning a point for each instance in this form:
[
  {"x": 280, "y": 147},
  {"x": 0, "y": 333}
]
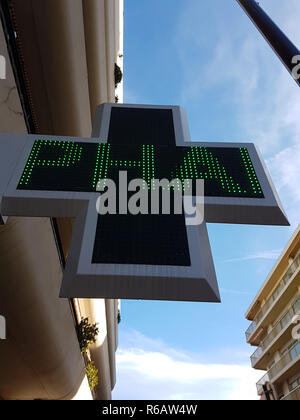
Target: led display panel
[{"x": 74, "y": 166}]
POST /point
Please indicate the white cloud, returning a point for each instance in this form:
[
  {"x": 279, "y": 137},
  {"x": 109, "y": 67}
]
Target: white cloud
[
  {"x": 271, "y": 115},
  {"x": 146, "y": 373},
  {"x": 285, "y": 171},
  {"x": 263, "y": 255},
  {"x": 235, "y": 292}
]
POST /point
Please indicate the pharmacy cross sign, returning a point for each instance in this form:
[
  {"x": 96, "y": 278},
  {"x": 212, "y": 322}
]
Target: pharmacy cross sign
[{"x": 136, "y": 256}]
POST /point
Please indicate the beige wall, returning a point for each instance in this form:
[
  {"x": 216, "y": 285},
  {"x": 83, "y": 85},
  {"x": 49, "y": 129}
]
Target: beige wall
[{"x": 40, "y": 359}]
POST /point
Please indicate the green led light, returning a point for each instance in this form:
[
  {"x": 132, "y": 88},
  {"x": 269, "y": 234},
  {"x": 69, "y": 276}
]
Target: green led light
[{"x": 222, "y": 175}]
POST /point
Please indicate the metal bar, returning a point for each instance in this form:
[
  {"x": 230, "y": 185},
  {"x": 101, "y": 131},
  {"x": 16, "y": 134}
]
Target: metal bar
[{"x": 279, "y": 42}]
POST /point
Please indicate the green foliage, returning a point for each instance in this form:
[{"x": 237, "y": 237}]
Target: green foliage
[
  {"x": 118, "y": 75},
  {"x": 87, "y": 334},
  {"x": 92, "y": 374}
]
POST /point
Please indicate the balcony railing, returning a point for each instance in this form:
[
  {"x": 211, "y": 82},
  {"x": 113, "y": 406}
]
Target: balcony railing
[
  {"x": 250, "y": 330},
  {"x": 261, "y": 383},
  {"x": 293, "y": 396},
  {"x": 291, "y": 355},
  {"x": 275, "y": 332},
  {"x": 286, "y": 279},
  {"x": 256, "y": 356}
]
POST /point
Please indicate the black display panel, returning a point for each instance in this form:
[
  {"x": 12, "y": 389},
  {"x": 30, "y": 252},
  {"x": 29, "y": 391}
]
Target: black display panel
[
  {"x": 141, "y": 125},
  {"x": 141, "y": 239},
  {"x": 76, "y": 166}
]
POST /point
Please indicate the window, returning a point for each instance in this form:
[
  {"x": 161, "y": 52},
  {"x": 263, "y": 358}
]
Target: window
[
  {"x": 288, "y": 348},
  {"x": 294, "y": 383},
  {"x": 295, "y": 350},
  {"x": 296, "y": 306}
]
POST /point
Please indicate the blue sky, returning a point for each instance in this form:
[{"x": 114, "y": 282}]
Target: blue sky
[{"x": 207, "y": 57}]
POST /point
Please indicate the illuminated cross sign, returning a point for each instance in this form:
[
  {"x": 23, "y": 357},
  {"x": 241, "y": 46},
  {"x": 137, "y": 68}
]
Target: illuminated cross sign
[{"x": 144, "y": 256}]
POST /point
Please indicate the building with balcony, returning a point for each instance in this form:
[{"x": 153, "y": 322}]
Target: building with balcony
[
  {"x": 60, "y": 58},
  {"x": 273, "y": 330}
]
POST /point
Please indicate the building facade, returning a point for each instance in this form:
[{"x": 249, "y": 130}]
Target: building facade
[
  {"x": 60, "y": 58},
  {"x": 275, "y": 327}
]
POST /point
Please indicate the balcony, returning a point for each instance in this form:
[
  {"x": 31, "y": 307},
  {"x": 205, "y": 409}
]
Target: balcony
[
  {"x": 286, "y": 363},
  {"x": 256, "y": 356},
  {"x": 260, "y": 384},
  {"x": 250, "y": 330},
  {"x": 293, "y": 396},
  {"x": 282, "y": 287},
  {"x": 276, "y": 338}
]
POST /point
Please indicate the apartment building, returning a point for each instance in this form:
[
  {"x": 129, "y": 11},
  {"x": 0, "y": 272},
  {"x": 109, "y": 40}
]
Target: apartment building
[
  {"x": 60, "y": 57},
  {"x": 275, "y": 327}
]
